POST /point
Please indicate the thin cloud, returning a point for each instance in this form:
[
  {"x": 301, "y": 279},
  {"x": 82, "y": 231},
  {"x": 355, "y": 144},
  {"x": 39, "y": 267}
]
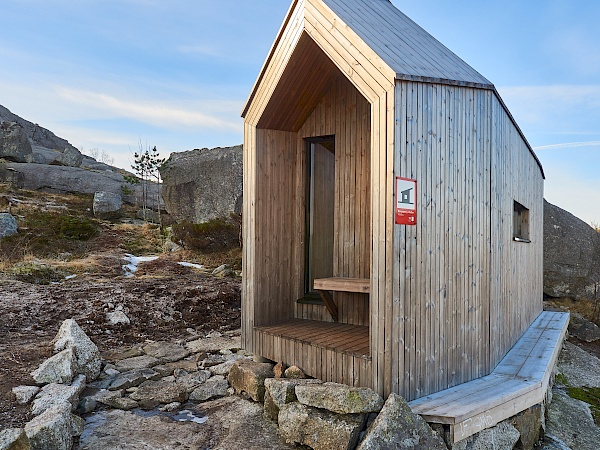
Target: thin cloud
[
  {"x": 568, "y": 145},
  {"x": 155, "y": 114},
  {"x": 204, "y": 50},
  {"x": 563, "y": 93}
]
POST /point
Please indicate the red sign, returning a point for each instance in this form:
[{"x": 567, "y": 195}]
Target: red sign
[{"x": 406, "y": 201}]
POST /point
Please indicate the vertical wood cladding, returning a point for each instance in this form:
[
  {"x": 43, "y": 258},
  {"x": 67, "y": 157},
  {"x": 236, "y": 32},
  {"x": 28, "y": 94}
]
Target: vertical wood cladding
[{"x": 345, "y": 113}]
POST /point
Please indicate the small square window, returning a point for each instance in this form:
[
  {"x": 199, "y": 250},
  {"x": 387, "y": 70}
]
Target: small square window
[{"x": 520, "y": 223}]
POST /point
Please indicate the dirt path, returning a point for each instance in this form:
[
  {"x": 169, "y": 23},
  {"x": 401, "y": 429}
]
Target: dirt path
[{"x": 161, "y": 302}]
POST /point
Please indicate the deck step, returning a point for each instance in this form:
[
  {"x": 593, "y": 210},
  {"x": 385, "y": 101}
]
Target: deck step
[{"x": 517, "y": 383}]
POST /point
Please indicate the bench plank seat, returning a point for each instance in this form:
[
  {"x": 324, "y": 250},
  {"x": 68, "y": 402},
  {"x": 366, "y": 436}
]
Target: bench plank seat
[
  {"x": 517, "y": 383},
  {"x": 339, "y": 284}
]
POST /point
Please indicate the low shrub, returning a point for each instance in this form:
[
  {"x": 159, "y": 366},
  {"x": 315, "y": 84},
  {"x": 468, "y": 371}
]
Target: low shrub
[
  {"x": 36, "y": 273},
  {"x": 45, "y": 233},
  {"x": 216, "y": 235}
]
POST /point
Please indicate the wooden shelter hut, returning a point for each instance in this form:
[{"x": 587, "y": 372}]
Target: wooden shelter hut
[{"x": 392, "y": 206}]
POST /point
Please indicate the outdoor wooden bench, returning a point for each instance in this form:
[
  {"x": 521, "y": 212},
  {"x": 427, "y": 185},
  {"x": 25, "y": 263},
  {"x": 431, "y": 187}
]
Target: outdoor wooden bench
[
  {"x": 339, "y": 284},
  {"x": 517, "y": 383}
]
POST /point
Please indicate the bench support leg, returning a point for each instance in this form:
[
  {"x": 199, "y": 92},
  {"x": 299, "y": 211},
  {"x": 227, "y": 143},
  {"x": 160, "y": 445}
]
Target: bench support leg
[{"x": 329, "y": 304}]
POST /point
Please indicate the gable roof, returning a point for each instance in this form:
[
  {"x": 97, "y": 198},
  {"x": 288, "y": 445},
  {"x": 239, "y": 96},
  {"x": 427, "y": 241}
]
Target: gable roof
[{"x": 411, "y": 52}]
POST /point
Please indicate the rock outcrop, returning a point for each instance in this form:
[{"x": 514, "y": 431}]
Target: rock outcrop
[
  {"x": 200, "y": 185},
  {"x": 14, "y": 145},
  {"x": 54, "y": 178},
  {"x": 37, "y": 159},
  {"x": 38, "y": 136},
  {"x": 571, "y": 256}
]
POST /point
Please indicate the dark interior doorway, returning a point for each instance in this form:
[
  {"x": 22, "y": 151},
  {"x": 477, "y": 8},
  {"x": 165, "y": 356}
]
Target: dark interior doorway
[{"x": 320, "y": 210}]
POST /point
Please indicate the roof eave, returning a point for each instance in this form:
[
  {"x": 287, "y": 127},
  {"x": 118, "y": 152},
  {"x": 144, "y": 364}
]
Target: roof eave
[
  {"x": 269, "y": 57},
  {"x": 433, "y": 80}
]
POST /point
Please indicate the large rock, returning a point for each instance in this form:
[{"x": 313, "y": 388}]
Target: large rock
[
  {"x": 53, "y": 394},
  {"x": 133, "y": 378},
  {"x": 14, "y": 439},
  {"x": 166, "y": 351},
  {"x": 70, "y": 335},
  {"x": 578, "y": 367},
  {"x": 24, "y": 394},
  {"x": 107, "y": 204},
  {"x": 397, "y": 427},
  {"x": 137, "y": 362},
  {"x": 70, "y": 156},
  {"x": 583, "y": 329},
  {"x": 14, "y": 145},
  {"x": 570, "y": 421},
  {"x": 340, "y": 398},
  {"x": 281, "y": 391},
  {"x": 249, "y": 377},
  {"x": 190, "y": 381},
  {"x": 8, "y": 225},
  {"x": 200, "y": 185},
  {"x": 60, "y": 368},
  {"x": 571, "y": 255},
  {"x": 503, "y": 436},
  {"x": 11, "y": 176},
  {"x": 51, "y": 430},
  {"x": 67, "y": 179},
  {"x": 214, "y": 387},
  {"x": 37, "y": 135},
  {"x": 530, "y": 425},
  {"x": 318, "y": 428},
  {"x": 152, "y": 393},
  {"x": 233, "y": 423},
  {"x": 214, "y": 344}
]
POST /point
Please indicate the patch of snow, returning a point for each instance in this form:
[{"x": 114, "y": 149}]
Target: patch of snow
[
  {"x": 187, "y": 264},
  {"x": 188, "y": 416},
  {"x": 70, "y": 277},
  {"x": 133, "y": 261}
]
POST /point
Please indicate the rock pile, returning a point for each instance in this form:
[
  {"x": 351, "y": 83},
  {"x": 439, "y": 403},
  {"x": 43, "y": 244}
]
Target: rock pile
[
  {"x": 77, "y": 381},
  {"x": 331, "y": 415},
  {"x": 60, "y": 379},
  {"x": 324, "y": 416}
]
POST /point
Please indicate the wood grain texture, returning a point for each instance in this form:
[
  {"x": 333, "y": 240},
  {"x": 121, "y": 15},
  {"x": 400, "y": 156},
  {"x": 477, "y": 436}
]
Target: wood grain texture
[{"x": 517, "y": 383}]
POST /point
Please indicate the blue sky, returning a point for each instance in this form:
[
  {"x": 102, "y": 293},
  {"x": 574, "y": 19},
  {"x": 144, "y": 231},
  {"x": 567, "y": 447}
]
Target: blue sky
[{"x": 108, "y": 74}]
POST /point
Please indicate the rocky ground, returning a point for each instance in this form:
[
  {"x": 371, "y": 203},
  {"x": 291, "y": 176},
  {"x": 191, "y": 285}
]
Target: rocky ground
[{"x": 183, "y": 305}]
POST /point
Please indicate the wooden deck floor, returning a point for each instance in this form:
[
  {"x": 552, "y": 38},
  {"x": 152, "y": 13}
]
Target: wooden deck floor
[
  {"x": 518, "y": 382},
  {"x": 348, "y": 339}
]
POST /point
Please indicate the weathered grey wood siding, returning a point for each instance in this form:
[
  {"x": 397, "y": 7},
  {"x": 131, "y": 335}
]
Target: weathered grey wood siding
[{"x": 464, "y": 291}]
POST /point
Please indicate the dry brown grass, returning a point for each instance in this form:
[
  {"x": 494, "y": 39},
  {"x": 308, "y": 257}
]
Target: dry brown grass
[
  {"x": 589, "y": 309},
  {"x": 59, "y": 232}
]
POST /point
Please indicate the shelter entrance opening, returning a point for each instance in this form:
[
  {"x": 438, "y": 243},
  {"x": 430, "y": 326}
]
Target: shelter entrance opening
[{"x": 320, "y": 211}]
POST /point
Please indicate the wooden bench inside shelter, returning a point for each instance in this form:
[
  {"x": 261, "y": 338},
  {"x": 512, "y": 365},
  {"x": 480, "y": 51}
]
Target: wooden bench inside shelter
[
  {"x": 339, "y": 284},
  {"x": 517, "y": 383}
]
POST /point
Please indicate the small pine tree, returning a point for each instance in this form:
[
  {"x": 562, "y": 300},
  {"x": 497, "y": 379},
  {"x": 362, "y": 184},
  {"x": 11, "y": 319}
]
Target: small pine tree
[{"x": 146, "y": 165}]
